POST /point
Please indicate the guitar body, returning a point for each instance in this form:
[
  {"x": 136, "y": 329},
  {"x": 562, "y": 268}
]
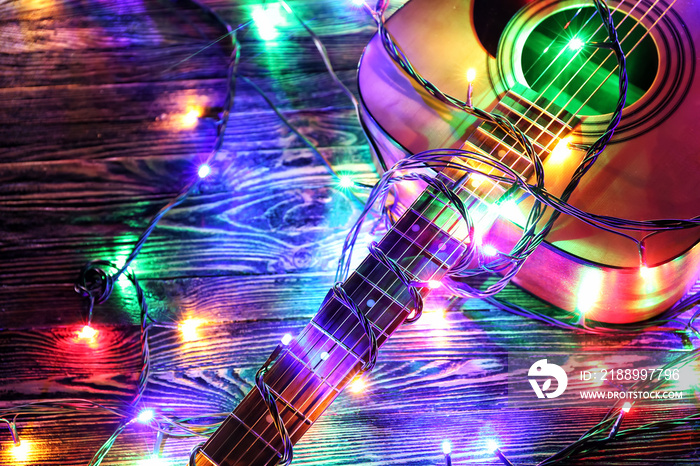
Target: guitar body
[{"x": 649, "y": 170}]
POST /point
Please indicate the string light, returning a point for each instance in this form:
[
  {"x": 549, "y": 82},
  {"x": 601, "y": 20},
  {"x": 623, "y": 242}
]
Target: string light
[
  {"x": 146, "y": 416},
  {"x": 576, "y": 44},
  {"x": 358, "y": 385},
  {"x": 204, "y": 170},
  {"x": 153, "y": 461},
  {"x": 87, "y": 333},
  {"x": 471, "y": 75},
  {"x": 345, "y": 181},
  {"x": 493, "y": 448},
  {"x": 22, "y": 451},
  {"x": 618, "y": 422},
  {"x": 561, "y": 151},
  {"x": 267, "y": 18},
  {"x": 191, "y": 117},
  {"x": 447, "y": 451},
  {"x": 189, "y": 329},
  {"x": 489, "y": 250}
]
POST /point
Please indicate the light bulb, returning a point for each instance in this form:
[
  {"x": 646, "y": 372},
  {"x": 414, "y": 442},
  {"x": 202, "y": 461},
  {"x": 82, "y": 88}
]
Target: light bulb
[
  {"x": 87, "y": 333},
  {"x": 189, "y": 329},
  {"x": 446, "y": 447},
  {"x": 432, "y": 284},
  {"x": 204, "y": 170},
  {"x": 576, "y": 44},
  {"x": 491, "y": 446},
  {"x": 471, "y": 74},
  {"x": 358, "y": 385},
  {"x": 146, "y": 416},
  {"x": 346, "y": 181},
  {"x": 191, "y": 117}
]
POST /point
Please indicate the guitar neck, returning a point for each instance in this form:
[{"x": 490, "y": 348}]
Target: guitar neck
[{"x": 329, "y": 352}]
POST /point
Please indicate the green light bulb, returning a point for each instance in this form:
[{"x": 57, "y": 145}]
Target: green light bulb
[{"x": 576, "y": 44}]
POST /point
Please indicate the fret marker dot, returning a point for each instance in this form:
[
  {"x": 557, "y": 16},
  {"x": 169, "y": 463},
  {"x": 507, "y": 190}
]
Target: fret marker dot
[
  {"x": 370, "y": 302},
  {"x": 501, "y": 153},
  {"x": 268, "y": 419},
  {"x": 325, "y": 356},
  {"x": 441, "y": 246},
  {"x": 415, "y": 227}
]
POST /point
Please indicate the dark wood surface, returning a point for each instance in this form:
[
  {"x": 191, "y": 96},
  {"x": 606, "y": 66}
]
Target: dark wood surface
[{"x": 91, "y": 145}]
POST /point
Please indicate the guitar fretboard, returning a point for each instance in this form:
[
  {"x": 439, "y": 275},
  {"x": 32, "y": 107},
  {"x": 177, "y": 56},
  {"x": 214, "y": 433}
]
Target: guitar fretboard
[{"x": 329, "y": 352}]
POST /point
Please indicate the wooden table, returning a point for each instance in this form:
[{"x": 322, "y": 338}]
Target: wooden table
[{"x": 93, "y": 143}]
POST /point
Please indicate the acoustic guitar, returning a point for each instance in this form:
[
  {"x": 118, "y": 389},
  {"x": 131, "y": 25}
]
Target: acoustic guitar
[
  {"x": 526, "y": 69},
  {"x": 529, "y": 62}
]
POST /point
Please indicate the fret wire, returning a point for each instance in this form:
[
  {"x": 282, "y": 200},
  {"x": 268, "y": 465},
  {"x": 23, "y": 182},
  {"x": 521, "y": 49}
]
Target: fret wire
[
  {"x": 432, "y": 257},
  {"x": 323, "y": 330},
  {"x": 493, "y": 185},
  {"x": 379, "y": 288},
  {"x": 337, "y": 342},
  {"x": 290, "y": 405},
  {"x": 532, "y": 122},
  {"x": 249, "y": 430},
  {"x": 323, "y": 379},
  {"x": 457, "y": 249}
]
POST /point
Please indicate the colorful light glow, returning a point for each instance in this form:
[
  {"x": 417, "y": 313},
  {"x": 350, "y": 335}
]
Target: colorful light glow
[
  {"x": 446, "y": 447},
  {"x": 191, "y": 117},
  {"x": 153, "y": 461},
  {"x": 286, "y": 339},
  {"x": 146, "y": 416},
  {"x": 22, "y": 451},
  {"x": 204, "y": 170},
  {"x": 510, "y": 210},
  {"x": 561, "y": 151},
  {"x": 489, "y": 250},
  {"x": 645, "y": 272},
  {"x": 433, "y": 284},
  {"x": 475, "y": 179},
  {"x": 471, "y": 74},
  {"x": 491, "y": 446},
  {"x": 358, "y": 385},
  {"x": 267, "y": 18},
  {"x": 189, "y": 329},
  {"x": 346, "y": 181},
  {"x": 589, "y": 290},
  {"x": 626, "y": 407},
  {"x": 576, "y": 44},
  {"x": 87, "y": 333}
]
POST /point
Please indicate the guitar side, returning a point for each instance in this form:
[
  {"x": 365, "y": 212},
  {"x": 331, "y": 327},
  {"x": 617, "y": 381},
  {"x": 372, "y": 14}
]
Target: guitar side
[{"x": 644, "y": 173}]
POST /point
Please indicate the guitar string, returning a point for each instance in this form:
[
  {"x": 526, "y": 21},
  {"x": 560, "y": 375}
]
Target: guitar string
[
  {"x": 543, "y": 110},
  {"x": 336, "y": 345},
  {"x": 565, "y": 47},
  {"x": 449, "y": 100},
  {"x": 397, "y": 55},
  {"x": 573, "y": 116}
]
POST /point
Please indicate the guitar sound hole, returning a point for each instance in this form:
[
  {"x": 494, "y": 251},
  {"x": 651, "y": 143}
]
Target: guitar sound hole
[{"x": 555, "y": 63}]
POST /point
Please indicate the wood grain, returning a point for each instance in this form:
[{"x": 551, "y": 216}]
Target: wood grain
[{"x": 91, "y": 99}]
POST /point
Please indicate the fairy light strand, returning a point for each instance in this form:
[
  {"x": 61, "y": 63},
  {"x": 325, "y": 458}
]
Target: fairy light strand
[{"x": 95, "y": 282}]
